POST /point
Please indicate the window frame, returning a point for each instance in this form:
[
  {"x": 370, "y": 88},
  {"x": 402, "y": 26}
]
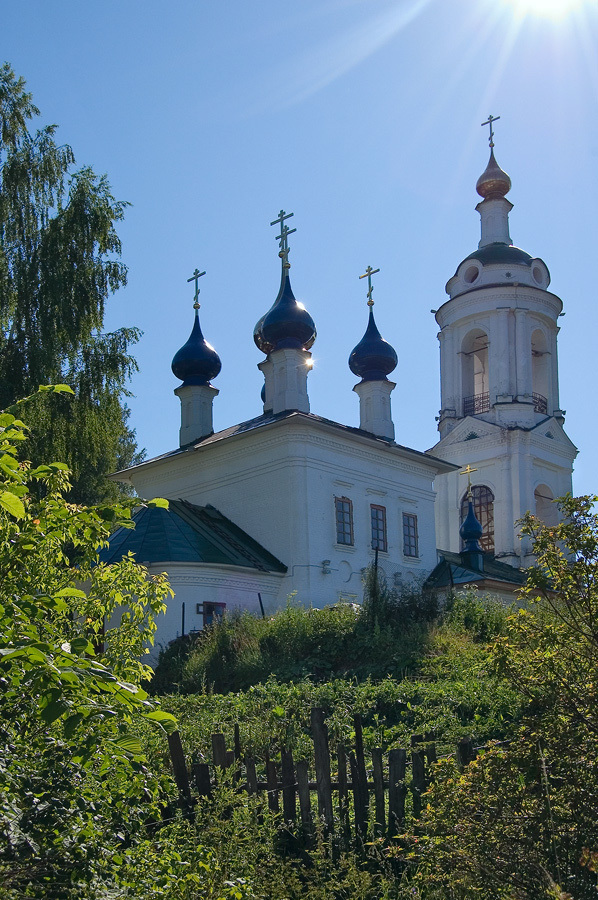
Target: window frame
[
  {"x": 342, "y": 532},
  {"x": 375, "y": 541},
  {"x": 410, "y": 540}
]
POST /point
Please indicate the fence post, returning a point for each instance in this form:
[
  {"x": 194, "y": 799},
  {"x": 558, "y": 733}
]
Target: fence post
[
  {"x": 289, "y": 805},
  {"x": 465, "y": 752},
  {"x": 319, "y": 732},
  {"x": 304, "y": 800},
  {"x": 418, "y": 783},
  {"x": 219, "y": 750},
  {"x": 272, "y": 785},
  {"x": 359, "y": 804},
  {"x": 397, "y": 789},
  {"x": 237, "y": 773},
  {"x": 343, "y": 796},
  {"x": 181, "y": 776},
  {"x": 379, "y": 790},
  {"x": 252, "y": 785},
  {"x": 201, "y": 775}
]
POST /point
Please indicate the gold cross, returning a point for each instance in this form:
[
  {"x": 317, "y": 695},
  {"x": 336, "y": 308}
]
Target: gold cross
[
  {"x": 491, "y": 120},
  {"x": 195, "y": 277},
  {"x": 467, "y": 471},
  {"x": 283, "y": 237},
  {"x": 368, "y": 274}
]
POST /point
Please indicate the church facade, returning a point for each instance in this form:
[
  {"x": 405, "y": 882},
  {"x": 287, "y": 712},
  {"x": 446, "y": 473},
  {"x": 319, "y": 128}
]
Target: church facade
[{"x": 292, "y": 504}]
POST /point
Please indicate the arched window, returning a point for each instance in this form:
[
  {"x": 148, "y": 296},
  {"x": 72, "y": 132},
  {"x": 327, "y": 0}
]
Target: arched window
[
  {"x": 546, "y": 509},
  {"x": 540, "y": 371},
  {"x": 474, "y": 372},
  {"x": 483, "y": 506}
]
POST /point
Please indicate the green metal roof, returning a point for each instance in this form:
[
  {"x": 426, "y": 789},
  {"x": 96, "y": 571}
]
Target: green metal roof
[
  {"x": 452, "y": 571},
  {"x": 189, "y": 533}
]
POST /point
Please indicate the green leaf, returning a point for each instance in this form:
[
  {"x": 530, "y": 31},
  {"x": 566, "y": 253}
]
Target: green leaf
[
  {"x": 130, "y": 745},
  {"x": 166, "y": 720},
  {"x": 81, "y": 645},
  {"x": 72, "y": 592},
  {"x": 53, "y": 711},
  {"x": 55, "y": 389},
  {"x": 12, "y": 504},
  {"x": 158, "y": 502}
]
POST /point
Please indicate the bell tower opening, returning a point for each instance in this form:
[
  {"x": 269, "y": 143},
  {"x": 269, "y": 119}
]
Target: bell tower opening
[
  {"x": 475, "y": 384},
  {"x": 546, "y": 509},
  {"x": 540, "y": 371}
]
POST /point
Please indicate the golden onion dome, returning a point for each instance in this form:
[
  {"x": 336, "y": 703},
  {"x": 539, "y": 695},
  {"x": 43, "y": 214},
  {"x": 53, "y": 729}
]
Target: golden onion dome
[{"x": 493, "y": 181}]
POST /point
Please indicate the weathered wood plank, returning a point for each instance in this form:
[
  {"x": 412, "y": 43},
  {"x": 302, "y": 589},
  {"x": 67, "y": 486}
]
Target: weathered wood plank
[
  {"x": 465, "y": 752},
  {"x": 201, "y": 776},
  {"x": 289, "y": 803},
  {"x": 219, "y": 750},
  {"x": 272, "y": 786},
  {"x": 418, "y": 782},
  {"x": 319, "y": 732},
  {"x": 379, "y": 790},
  {"x": 181, "y": 776},
  {"x": 343, "y": 796},
  {"x": 397, "y": 790},
  {"x": 304, "y": 799},
  {"x": 360, "y": 757},
  {"x": 359, "y": 805},
  {"x": 252, "y": 787}
]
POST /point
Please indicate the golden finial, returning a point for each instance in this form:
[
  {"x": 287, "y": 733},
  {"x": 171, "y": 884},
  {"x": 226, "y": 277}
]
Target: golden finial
[
  {"x": 490, "y": 121},
  {"x": 368, "y": 274},
  {"x": 195, "y": 277},
  {"x": 283, "y": 237},
  {"x": 467, "y": 471}
]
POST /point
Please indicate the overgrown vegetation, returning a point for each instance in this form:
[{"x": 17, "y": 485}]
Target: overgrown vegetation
[
  {"x": 387, "y": 636},
  {"x": 88, "y": 807}
]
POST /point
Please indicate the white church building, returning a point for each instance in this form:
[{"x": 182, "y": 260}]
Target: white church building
[{"x": 290, "y": 503}]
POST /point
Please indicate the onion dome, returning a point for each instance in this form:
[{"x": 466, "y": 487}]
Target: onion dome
[
  {"x": 287, "y": 324},
  {"x": 471, "y": 531},
  {"x": 373, "y": 358},
  {"x": 493, "y": 182},
  {"x": 196, "y": 362}
]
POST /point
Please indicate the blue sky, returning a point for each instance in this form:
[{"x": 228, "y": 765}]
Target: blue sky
[{"x": 363, "y": 118}]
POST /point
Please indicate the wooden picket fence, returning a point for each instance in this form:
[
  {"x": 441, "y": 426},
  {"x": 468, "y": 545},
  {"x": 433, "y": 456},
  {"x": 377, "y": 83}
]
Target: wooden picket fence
[{"x": 370, "y": 800}]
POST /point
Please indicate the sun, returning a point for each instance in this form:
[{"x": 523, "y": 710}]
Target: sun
[{"x": 548, "y": 9}]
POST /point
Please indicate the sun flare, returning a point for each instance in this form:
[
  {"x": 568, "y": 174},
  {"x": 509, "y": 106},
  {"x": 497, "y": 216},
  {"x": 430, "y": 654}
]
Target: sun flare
[{"x": 549, "y": 9}]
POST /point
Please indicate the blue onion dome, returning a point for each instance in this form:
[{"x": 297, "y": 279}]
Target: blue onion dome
[
  {"x": 287, "y": 324},
  {"x": 471, "y": 530},
  {"x": 493, "y": 182},
  {"x": 196, "y": 362},
  {"x": 373, "y": 358}
]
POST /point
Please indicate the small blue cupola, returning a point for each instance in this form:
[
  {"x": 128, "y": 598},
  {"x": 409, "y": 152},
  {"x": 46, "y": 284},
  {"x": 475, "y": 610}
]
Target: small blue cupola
[
  {"x": 196, "y": 363},
  {"x": 285, "y": 334},
  {"x": 373, "y": 358},
  {"x": 471, "y": 531},
  {"x": 287, "y": 324}
]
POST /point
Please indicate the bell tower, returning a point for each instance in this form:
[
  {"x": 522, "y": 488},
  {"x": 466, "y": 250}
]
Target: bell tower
[{"x": 500, "y": 407}]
